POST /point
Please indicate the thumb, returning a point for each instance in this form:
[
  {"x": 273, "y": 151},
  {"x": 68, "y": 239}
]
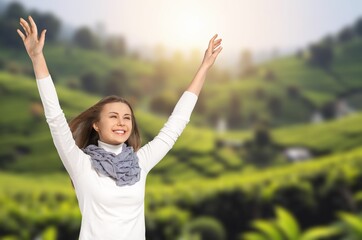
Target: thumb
[{"x": 42, "y": 36}]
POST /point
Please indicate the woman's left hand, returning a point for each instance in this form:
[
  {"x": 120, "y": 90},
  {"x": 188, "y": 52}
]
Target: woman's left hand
[{"x": 212, "y": 52}]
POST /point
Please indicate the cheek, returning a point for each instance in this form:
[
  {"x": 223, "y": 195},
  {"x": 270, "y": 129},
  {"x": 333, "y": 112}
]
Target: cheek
[
  {"x": 104, "y": 124},
  {"x": 131, "y": 125}
]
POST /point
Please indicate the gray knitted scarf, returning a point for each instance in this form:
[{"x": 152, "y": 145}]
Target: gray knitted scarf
[{"x": 123, "y": 168}]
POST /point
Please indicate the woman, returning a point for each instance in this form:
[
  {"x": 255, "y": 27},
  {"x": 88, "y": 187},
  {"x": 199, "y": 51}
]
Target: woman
[{"x": 108, "y": 176}]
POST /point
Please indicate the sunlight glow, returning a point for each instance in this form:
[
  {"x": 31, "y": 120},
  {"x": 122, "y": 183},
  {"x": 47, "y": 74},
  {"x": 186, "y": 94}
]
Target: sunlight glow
[
  {"x": 190, "y": 27},
  {"x": 258, "y": 25}
]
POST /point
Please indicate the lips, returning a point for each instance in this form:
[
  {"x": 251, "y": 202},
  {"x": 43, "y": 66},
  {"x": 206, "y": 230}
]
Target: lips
[{"x": 119, "y": 132}]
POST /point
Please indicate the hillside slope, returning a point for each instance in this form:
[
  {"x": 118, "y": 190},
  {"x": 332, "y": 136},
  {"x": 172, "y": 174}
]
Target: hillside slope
[
  {"x": 26, "y": 144},
  {"x": 288, "y": 90}
]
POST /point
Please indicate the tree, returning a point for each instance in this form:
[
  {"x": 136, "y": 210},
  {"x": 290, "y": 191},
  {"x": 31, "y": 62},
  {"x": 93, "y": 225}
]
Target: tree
[
  {"x": 328, "y": 40},
  {"x": 321, "y": 55},
  {"x": 201, "y": 106},
  {"x": 85, "y": 38},
  {"x": 260, "y": 93},
  {"x": 2, "y": 63},
  {"x": 275, "y": 105},
  {"x": 14, "y": 11},
  {"x": 115, "y": 46},
  {"x": 116, "y": 83},
  {"x": 293, "y": 91},
  {"x": 345, "y": 35},
  {"x": 90, "y": 83},
  {"x": 329, "y": 110},
  {"x": 358, "y": 27},
  {"x": 269, "y": 75},
  {"x": 262, "y": 137},
  {"x": 246, "y": 64},
  {"x": 260, "y": 150},
  {"x": 234, "y": 115},
  {"x": 9, "y": 23},
  {"x": 164, "y": 103},
  {"x": 37, "y": 111}
]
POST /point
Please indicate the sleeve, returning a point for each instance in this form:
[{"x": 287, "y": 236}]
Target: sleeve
[
  {"x": 151, "y": 153},
  {"x": 68, "y": 151}
]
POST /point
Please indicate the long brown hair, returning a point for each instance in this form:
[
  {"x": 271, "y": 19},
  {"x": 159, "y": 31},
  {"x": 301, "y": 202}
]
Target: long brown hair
[{"x": 82, "y": 125}]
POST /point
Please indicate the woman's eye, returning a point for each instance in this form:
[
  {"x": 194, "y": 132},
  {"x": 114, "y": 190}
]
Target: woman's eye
[
  {"x": 127, "y": 118},
  {"x": 113, "y": 116}
]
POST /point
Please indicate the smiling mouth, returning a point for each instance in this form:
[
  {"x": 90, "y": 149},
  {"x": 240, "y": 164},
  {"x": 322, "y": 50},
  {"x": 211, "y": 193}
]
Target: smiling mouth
[{"x": 119, "y": 132}]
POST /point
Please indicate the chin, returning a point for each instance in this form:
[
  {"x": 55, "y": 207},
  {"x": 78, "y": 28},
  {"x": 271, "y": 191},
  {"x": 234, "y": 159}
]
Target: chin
[{"x": 119, "y": 142}]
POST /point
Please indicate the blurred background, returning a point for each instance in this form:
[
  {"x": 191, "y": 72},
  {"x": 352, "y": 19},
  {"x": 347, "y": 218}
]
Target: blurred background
[{"x": 273, "y": 149}]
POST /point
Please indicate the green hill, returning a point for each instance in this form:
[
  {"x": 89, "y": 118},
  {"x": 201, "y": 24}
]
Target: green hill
[
  {"x": 26, "y": 145},
  {"x": 288, "y": 90},
  {"x": 315, "y": 191},
  {"x": 285, "y": 90},
  {"x": 207, "y": 172},
  {"x": 233, "y": 176},
  {"x": 281, "y": 93}
]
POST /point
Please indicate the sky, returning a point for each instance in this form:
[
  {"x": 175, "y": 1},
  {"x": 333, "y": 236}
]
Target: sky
[{"x": 258, "y": 25}]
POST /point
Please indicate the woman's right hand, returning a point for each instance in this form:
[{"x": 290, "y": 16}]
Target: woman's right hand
[{"x": 33, "y": 44}]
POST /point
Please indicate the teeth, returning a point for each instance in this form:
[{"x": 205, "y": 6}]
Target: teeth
[{"x": 119, "y": 132}]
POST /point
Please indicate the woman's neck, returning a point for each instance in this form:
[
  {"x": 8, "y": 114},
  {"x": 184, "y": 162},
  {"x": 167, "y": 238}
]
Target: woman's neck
[{"x": 116, "y": 149}]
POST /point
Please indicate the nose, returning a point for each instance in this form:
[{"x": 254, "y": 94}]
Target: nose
[{"x": 120, "y": 122}]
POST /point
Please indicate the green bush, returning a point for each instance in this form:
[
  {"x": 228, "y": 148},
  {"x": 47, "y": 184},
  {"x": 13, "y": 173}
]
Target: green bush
[{"x": 204, "y": 228}]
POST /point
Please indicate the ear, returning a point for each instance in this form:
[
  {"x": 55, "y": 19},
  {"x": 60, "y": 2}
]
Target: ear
[{"x": 95, "y": 127}]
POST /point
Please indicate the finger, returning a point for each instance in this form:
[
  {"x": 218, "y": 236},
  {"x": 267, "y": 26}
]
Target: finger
[
  {"x": 212, "y": 41},
  {"x": 217, "y": 44},
  {"x": 217, "y": 51},
  {"x": 25, "y": 26},
  {"x": 21, "y": 34},
  {"x": 213, "y": 38},
  {"x": 22, "y": 25},
  {"x": 217, "y": 41},
  {"x": 34, "y": 28},
  {"x": 26, "y": 32},
  {"x": 42, "y": 36}
]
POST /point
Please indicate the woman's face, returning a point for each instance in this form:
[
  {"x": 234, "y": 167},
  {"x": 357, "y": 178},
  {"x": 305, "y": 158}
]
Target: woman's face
[{"x": 115, "y": 123}]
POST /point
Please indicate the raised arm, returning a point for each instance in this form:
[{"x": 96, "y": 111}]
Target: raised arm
[
  {"x": 210, "y": 56},
  {"x": 154, "y": 151},
  {"x": 62, "y": 137},
  {"x": 34, "y": 46}
]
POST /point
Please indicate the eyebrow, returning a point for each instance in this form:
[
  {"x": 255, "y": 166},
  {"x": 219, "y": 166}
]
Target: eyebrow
[{"x": 118, "y": 114}]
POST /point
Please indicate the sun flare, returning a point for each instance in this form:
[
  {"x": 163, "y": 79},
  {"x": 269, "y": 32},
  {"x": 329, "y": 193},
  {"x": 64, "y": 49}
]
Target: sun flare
[{"x": 190, "y": 28}]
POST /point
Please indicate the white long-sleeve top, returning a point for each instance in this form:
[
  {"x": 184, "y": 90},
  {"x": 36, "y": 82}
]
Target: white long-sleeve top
[{"x": 110, "y": 212}]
